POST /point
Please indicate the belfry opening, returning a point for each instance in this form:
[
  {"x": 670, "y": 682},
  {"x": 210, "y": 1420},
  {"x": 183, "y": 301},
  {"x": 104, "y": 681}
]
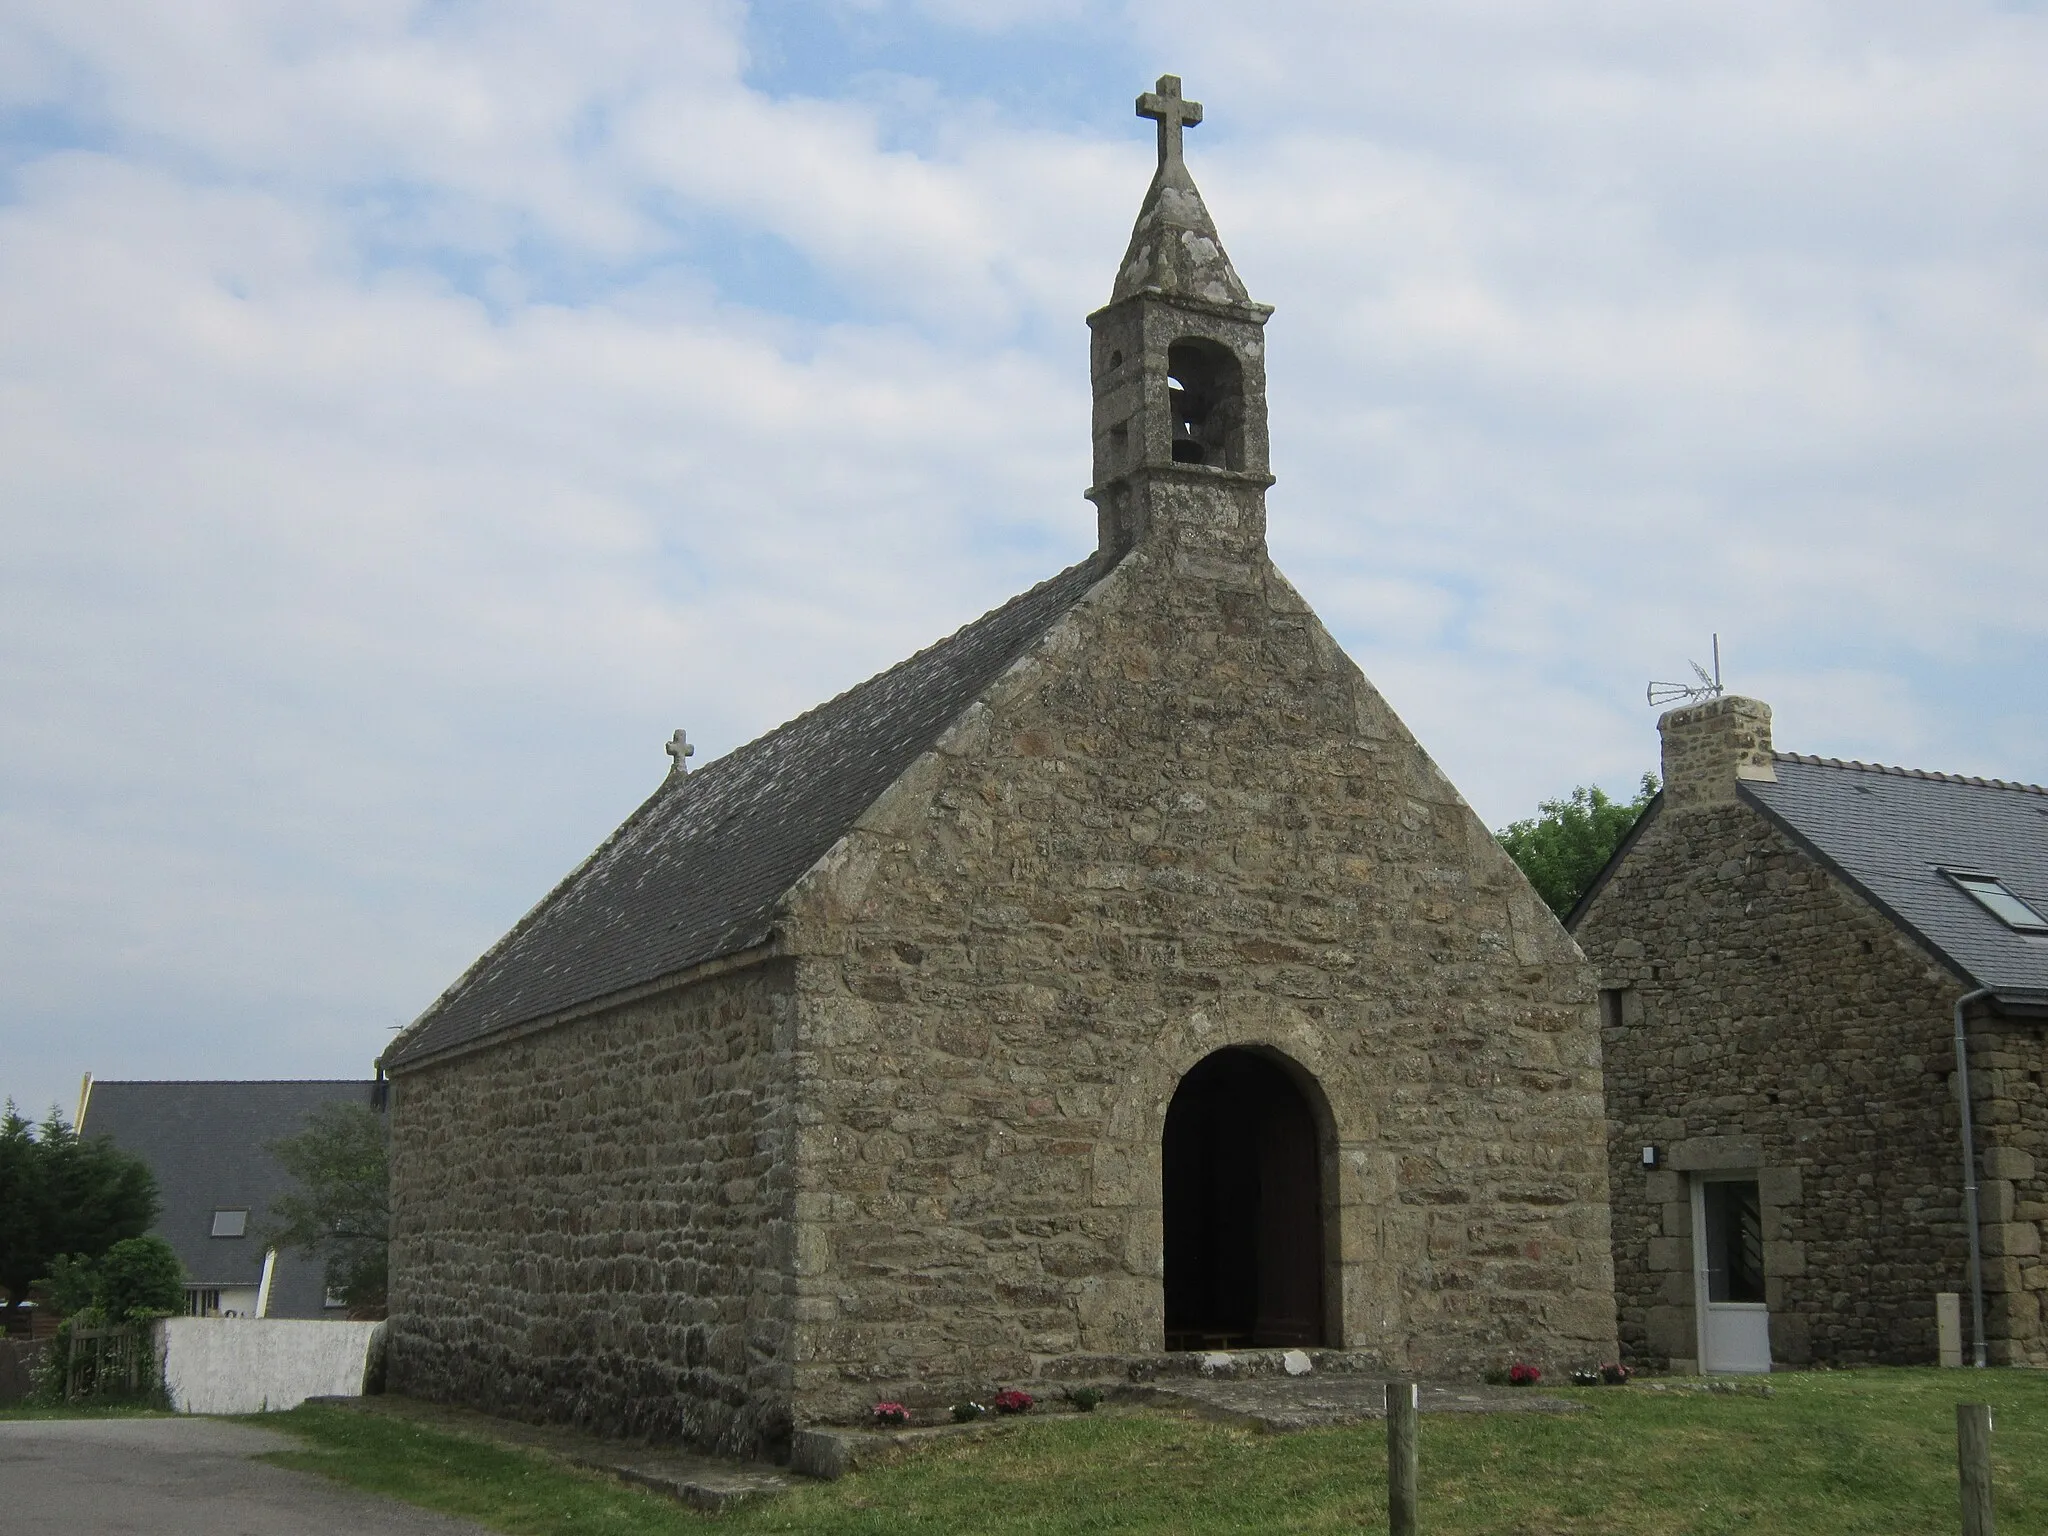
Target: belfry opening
[
  {"x": 1205, "y": 390},
  {"x": 1244, "y": 1208}
]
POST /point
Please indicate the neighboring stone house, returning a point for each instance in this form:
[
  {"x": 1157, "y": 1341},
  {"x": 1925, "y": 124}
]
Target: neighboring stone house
[
  {"x": 1783, "y": 943},
  {"x": 1118, "y": 975},
  {"x": 208, "y": 1145}
]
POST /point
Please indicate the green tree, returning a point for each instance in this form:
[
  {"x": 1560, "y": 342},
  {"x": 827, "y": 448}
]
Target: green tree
[
  {"x": 136, "y": 1279},
  {"x": 63, "y": 1194},
  {"x": 1564, "y": 848},
  {"x": 341, "y": 1209}
]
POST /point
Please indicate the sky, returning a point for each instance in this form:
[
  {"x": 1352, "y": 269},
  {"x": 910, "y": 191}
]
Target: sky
[{"x": 411, "y": 413}]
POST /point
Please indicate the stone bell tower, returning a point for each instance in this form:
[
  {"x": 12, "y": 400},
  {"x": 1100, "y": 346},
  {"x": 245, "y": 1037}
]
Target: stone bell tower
[{"x": 1178, "y": 362}]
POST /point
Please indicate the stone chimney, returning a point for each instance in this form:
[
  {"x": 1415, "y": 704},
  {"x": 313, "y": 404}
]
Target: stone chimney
[{"x": 1710, "y": 747}]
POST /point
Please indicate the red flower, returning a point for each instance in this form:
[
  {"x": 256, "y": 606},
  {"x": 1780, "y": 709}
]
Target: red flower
[
  {"x": 1520, "y": 1375},
  {"x": 891, "y": 1413},
  {"x": 1012, "y": 1401}
]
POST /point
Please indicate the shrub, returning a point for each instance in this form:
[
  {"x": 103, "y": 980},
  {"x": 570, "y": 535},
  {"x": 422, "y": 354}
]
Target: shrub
[
  {"x": 1615, "y": 1374},
  {"x": 71, "y": 1285},
  {"x": 140, "y": 1278},
  {"x": 1012, "y": 1401},
  {"x": 967, "y": 1413},
  {"x": 1084, "y": 1399},
  {"x": 1521, "y": 1375},
  {"x": 1585, "y": 1378},
  {"x": 136, "y": 1279},
  {"x": 891, "y": 1415}
]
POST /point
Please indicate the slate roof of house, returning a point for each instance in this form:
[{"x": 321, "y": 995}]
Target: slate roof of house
[
  {"x": 698, "y": 871},
  {"x": 1891, "y": 831},
  {"x": 205, "y": 1143}
]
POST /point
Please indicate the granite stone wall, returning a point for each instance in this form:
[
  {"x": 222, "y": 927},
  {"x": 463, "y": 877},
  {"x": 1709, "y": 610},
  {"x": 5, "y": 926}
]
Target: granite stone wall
[
  {"x": 594, "y": 1221},
  {"x": 1187, "y": 822},
  {"x": 1763, "y": 1016}
]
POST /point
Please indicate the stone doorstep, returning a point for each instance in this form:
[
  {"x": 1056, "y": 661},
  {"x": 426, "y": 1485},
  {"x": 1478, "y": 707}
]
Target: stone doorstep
[
  {"x": 703, "y": 1482},
  {"x": 1239, "y": 1363}
]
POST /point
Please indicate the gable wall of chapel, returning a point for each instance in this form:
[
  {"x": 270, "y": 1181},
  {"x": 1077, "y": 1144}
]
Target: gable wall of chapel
[{"x": 1188, "y": 822}]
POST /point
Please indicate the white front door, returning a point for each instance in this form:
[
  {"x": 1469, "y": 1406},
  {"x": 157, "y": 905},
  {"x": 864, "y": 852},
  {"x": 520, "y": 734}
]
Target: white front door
[{"x": 1728, "y": 1273}]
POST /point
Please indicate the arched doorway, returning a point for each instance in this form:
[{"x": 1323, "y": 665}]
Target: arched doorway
[{"x": 1243, "y": 1203}]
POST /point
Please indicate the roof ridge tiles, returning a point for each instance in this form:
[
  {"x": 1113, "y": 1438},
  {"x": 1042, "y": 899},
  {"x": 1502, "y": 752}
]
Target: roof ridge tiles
[
  {"x": 208, "y": 1082},
  {"x": 1911, "y": 773}
]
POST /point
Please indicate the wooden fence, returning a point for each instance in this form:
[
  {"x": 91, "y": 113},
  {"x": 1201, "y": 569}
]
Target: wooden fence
[{"x": 108, "y": 1359}]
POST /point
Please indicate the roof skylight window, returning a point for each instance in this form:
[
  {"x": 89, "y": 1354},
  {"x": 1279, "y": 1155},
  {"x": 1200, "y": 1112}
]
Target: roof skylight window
[
  {"x": 2001, "y": 903},
  {"x": 230, "y": 1223}
]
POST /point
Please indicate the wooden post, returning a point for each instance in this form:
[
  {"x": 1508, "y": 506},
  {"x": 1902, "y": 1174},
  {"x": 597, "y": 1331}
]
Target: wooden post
[
  {"x": 1404, "y": 1401},
  {"x": 1973, "y": 1466}
]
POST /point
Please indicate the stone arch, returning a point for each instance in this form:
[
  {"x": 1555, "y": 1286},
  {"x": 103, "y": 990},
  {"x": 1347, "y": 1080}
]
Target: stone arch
[{"x": 1128, "y": 1164}]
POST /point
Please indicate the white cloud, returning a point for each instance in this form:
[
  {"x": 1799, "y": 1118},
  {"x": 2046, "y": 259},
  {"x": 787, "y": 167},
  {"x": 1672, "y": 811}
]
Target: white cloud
[{"x": 398, "y": 435}]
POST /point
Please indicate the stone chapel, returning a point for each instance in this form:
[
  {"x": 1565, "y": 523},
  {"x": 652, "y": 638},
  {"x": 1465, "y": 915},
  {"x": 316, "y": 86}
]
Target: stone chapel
[{"x": 1116, "y": 977}]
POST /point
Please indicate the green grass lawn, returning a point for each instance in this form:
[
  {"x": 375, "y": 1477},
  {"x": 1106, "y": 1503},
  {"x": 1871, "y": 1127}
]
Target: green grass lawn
[{"x": 1843, "y": 1452}]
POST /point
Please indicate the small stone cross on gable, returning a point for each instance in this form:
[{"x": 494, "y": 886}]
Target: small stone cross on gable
[
  {"x": 1166, "y": 107},
  {"x": 679, "y": 748}
]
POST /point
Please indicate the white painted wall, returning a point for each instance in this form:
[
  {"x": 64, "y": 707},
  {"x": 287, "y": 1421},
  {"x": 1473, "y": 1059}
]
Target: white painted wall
[{"x": 257, "y": 1365}]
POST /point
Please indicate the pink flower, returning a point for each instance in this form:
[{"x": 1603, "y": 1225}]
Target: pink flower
[
  {"x": 891, "y": 1413},
  {"x": 1012, "y": 1401}
]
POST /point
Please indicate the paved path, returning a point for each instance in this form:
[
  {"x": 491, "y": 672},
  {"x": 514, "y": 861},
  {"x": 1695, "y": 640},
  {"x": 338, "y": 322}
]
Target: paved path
[{"x": 180, "y": 1477}]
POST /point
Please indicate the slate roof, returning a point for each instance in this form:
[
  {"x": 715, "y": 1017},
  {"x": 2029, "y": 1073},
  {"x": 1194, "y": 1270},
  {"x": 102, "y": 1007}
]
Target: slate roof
[
  {"x": 205, "y": 1143},
  {"x": 1890, "y": 831},
  {"x": 698, "y": 871}
]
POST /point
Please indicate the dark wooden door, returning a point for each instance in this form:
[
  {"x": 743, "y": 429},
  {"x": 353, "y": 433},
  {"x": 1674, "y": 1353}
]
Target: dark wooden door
[
  {"x": 1243, "y": 1209},
  {"x": 1290, "y": 1313}
]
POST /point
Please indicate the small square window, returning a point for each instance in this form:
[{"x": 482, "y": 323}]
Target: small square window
[
  {"x": 230, "y": 1223},
  {"x": 333, "y": 1298},
  {"x": 1613, "y": 1007},
  {"x": 1993, "y": 897}
]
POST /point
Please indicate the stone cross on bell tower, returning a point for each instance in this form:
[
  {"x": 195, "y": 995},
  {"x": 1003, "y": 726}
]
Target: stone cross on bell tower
[
  {"x": 1179, "y": 375},
  {"x": 1171, "y": 112}
]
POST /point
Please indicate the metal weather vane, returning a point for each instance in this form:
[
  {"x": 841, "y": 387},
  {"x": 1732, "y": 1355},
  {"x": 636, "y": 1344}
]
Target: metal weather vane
[{"x": 1708, "y": 686}]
